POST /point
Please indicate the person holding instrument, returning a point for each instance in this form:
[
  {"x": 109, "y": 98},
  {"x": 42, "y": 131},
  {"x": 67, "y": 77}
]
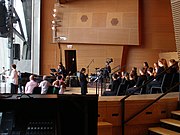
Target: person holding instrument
[{"x": 83, "y": 82}]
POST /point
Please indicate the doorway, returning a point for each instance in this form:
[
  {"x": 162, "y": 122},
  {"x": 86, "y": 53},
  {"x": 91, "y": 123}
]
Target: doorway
[{"x": 70, "y": 61}]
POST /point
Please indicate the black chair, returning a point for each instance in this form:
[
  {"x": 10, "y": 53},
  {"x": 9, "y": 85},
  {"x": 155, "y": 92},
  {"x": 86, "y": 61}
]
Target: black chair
[
  {"x": 162, "y": 86},
  {"x": 139, "y": 92},
  {"x": 174, "y": 80},
  {"x": 37, "y": 90},
  {"x": 122, "y": 88}
]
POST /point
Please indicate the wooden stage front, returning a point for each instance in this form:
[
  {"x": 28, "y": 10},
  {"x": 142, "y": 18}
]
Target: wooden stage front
[{"x": 110, "y": 112}]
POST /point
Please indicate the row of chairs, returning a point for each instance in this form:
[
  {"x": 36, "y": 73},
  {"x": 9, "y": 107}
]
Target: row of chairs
[{"x": 167, "y": 82}]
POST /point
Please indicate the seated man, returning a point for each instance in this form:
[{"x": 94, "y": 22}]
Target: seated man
[
  {"x": 44, "y": 85},
  {"x": 30, "y": 85}
]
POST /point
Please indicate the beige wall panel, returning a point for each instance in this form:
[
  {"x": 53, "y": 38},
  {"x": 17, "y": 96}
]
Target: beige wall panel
[
  {"x": 81, "y": 20},
  {"x": 62, "y": 32},
  {"x": 96, "y": 15},
  {"x": 101, "y": 5},
  {"x": 99, "y": 20},
  {"x": 134, "y": 37},
  {"x": 72, "y": 20},
  {"x": 84, "y": 35},
  {"x": 118, "y": 35},
  {"x": 130, "y": 20},
  {"x": 65, "y": 23},
  {"x": 114, "y": 16}
]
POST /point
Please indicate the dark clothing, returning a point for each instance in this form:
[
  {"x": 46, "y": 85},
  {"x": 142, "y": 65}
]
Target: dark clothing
[
  {"x": 159, "y": 78},
  {"x": 141, "y": 79},
  {"x": 83, "y": 83},
  {"x": 14, "y": 89},
  {"x": 157, "y": 81},
  {"x": 114, "y": 88}
]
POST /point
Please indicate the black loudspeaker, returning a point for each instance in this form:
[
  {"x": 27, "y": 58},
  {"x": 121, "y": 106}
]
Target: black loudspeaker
[
  {"x": 3, "y": 14},
  {"x": 16, "y": 51}
]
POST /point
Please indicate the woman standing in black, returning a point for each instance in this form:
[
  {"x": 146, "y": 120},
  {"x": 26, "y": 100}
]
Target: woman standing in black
[{"x": 83, "y": 81}]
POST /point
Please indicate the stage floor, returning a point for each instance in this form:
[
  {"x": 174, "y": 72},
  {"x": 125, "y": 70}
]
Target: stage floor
[{"x": 77, "y": 90}]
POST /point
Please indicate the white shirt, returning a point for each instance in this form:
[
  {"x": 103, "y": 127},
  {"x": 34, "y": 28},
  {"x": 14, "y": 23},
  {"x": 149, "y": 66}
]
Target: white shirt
[
  {"x": 14, "y": 77},
  {"x": 30, "y": 86},
  {"x": 44, "y": 86},
  {"x": 61, "y": 90}
]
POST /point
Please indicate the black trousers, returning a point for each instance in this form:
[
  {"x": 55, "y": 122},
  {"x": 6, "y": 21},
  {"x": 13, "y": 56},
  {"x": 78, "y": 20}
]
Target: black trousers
[{"x": 14, "y": 88}]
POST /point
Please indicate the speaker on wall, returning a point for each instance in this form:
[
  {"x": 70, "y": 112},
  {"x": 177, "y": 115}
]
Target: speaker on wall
[
  {"x": 3, "y": 15},
  {"x": 16, "y": 51}
]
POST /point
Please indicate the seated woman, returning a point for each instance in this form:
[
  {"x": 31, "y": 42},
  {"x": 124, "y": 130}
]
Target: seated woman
[
  {"x": 124, "y": 84},
  {"x": 150, "y": 73},
  {"x": 142, "y": 78},
  {"x": 158, "y": 80},
  {"x": 59, "y": 85}
]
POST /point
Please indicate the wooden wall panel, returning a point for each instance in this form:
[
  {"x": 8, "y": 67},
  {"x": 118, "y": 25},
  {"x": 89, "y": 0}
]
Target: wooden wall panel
[{"x": 111, "y": 22}]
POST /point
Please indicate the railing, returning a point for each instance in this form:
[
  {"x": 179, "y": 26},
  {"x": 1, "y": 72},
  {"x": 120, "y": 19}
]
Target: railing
[
  {"x": 123, "y": 121},
  {"x": 117, "y": 68}
]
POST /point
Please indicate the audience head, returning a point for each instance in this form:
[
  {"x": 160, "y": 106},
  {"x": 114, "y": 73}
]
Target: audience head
[
  {"x": 115, "y": 76},
  {"x": 155, "y": 65},
  {"x": 60, "y": 77},
  {"x": 60, "y": 63},
  {"x": 162, "y": 63},
  {"x": 13, "y": 66},
  {"x": 44, "y": 77},
  {"x": 31, "y": 77},
  {"x": 172, "y": 62},
  {"x": 134, "y": 69},
  {"x": 145, "y": 64},
  {"x": 83, "y": 70}
]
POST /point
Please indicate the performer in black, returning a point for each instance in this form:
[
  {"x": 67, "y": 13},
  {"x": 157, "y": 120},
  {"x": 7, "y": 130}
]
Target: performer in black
[{"x": 83, "y": 81}]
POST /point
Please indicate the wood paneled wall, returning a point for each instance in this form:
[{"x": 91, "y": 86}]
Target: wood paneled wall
[
  {"x": 100, "y": 22},
  {"x": 157, "y": 33},
  {"x": 157, "y": 36},
  {"x": 85, "y": 53}
]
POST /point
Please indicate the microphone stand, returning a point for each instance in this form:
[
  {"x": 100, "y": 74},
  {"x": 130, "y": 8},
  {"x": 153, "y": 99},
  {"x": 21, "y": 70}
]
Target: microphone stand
[{"x": 89, "y": 65}]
